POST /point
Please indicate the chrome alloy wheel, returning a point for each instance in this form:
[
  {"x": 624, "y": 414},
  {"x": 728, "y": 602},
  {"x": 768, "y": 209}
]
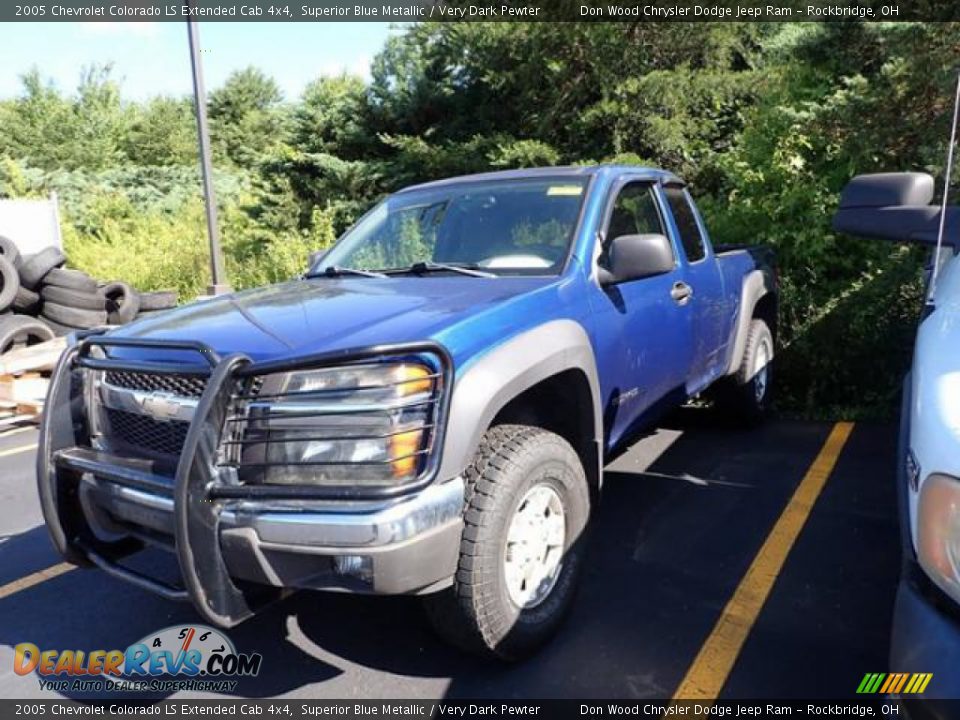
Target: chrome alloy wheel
[{"x": 535, "y": 544}]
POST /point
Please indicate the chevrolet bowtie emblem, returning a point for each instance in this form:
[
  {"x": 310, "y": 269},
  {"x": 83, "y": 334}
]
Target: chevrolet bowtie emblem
[{"x": 160, "y": 405}]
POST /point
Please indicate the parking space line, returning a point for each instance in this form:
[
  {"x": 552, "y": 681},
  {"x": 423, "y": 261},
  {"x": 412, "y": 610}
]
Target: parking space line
[
  {"x": 707, "y": 675},
  {"x": 14, "y": 451},
  {"x": 16, "y": 431},
  {"x": 36, "y": 578}
]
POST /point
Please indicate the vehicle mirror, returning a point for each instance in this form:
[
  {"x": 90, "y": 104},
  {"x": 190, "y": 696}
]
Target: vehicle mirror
[
  {"x": 633, "y": 257},
  {"x": 314, "y": 257}
]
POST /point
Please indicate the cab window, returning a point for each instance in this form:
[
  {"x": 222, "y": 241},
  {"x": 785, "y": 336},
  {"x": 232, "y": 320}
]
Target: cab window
[
  {"x": 634, "y": 212},
  {"x": 683, "y": 214}
]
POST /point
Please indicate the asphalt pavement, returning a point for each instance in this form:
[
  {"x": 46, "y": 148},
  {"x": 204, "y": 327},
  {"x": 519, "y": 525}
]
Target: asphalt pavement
[{"x": 683, "y": 516}]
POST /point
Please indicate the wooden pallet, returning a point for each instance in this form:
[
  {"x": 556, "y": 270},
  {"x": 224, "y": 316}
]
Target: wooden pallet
[
  {"x": 12, "y": 414},
  {"x": 35, "y": 358},
  {"x": 22, "y": 397},
  {"x": 24, "y": 381}
]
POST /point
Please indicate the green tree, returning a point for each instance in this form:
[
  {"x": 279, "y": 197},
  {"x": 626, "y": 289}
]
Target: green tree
[
  {"x": 333, "y": 117},
  {"x": 162, "y": 131},
  {"x": 246, "y": 119}
]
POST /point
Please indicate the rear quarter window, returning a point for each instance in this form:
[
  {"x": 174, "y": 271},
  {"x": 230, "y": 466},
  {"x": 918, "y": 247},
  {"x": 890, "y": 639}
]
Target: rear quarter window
[{"x": 683, "y": 215}]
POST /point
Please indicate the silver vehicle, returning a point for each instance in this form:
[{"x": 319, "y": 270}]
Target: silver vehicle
[{"x": 926, "y": 632}]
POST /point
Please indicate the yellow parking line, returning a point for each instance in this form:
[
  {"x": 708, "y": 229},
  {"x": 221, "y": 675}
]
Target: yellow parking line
[
  {"x": 36, "y": 578},
  {"x": 706, "y": 676},
  {"x": 14, "y": 451}
]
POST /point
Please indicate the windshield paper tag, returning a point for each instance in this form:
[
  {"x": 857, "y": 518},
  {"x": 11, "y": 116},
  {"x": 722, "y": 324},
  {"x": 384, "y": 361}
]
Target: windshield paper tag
[{"x": 565, "y": 190}]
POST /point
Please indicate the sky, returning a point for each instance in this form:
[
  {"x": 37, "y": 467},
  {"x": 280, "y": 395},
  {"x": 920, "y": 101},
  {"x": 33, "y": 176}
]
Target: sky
[{"x": 152, "y": 58}]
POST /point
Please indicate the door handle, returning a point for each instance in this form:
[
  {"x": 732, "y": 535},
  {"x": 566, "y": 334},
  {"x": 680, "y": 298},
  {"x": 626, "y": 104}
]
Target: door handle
[{"x": 681, "y": 293}]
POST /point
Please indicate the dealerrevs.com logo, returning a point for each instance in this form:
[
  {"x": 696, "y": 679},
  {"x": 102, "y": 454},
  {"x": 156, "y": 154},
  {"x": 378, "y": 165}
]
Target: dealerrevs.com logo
[{"x": 193, "y": 657}]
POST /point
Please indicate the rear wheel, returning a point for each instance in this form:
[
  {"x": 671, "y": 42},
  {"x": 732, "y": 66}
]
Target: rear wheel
[
  {"x": 747, "y": 394},
  {"x": 525, "y": 520}
]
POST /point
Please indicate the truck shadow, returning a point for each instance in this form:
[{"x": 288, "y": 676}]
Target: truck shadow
[
  {"x": 668, "y": 547},
  {"x": 87, "y": 610}
]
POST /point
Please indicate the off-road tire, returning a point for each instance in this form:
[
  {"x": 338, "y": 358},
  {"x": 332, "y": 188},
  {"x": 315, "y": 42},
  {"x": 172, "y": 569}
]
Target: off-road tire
[
  {"x": 20, "y": 330},
  {"x": 9, "y": 283},
  {"x": 73, "y": 316},
  {"x": 123, "y": 302},
  {"x": 9, "y": 251},
  {"x": 737, "y": 396},
  {"x": 477, "y": 613},
  {"x": 34, "y": 269},
  {"x": 160, "y": 300},
  {"x": 71, "y": 280},
  {"x": 78, "y": 299}
]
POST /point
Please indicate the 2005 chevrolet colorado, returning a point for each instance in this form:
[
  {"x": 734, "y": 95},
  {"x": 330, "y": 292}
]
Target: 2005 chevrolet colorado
[{"x": 427, "y": 410}]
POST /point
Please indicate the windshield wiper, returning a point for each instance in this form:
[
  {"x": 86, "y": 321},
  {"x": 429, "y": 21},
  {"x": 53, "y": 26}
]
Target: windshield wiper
[
  {"x": 420, "y": 268},
  {"x": 333, "y": 271}
]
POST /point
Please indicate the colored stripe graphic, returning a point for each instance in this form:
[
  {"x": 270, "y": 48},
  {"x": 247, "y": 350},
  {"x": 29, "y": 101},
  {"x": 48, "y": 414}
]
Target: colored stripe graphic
[{"x": 894, "y": 683}]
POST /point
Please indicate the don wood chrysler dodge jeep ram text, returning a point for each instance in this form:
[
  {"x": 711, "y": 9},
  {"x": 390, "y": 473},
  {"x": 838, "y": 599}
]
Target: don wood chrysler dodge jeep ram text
[{"x": 427, "y": 410}]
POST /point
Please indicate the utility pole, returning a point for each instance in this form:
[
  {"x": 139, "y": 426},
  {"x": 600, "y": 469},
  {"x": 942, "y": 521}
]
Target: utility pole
[{"x": 219, "y": 284}]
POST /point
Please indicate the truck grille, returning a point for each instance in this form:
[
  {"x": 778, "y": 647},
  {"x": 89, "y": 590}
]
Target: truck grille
[
  {"x": 132, "y": 424},
  {"x": 141, "y": 431},
  {"x": 182, "y": 385}
]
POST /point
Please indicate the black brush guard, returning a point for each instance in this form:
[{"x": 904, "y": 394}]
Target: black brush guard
[{"x": 197, "y": 489}]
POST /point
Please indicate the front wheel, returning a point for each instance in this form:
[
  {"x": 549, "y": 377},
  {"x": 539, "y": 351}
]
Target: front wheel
[
  {"x": 747, "y": 394},
  {"x": 525, "y": 520}
]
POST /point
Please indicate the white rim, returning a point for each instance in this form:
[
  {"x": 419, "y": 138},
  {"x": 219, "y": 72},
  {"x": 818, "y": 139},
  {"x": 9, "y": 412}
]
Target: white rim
[
  {"x": 534, "y": 550},
  {"x": 761, "y": 371}
]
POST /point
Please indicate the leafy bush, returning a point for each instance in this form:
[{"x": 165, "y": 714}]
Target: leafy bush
[
  {"x": 766, "y": 121},
  {"x": 154, "y": 251}
]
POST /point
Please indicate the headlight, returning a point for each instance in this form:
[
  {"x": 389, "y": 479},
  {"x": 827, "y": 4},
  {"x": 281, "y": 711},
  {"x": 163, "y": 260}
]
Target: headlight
[
  {"x": 368, "y": 424},
  {"x": 938, "y": 532}
]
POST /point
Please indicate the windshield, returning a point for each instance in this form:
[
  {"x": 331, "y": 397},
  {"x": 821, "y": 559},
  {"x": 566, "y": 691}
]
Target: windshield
[{"x": 515, "y": 227}]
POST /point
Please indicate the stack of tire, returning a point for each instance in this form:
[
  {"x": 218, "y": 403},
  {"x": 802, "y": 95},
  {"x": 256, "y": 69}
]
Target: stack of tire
[{"x": 41, "y": 298}]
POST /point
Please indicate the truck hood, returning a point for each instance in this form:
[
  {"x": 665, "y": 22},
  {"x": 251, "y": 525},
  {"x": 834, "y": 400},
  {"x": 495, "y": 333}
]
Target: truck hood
[{"x": 323, "y": 314}]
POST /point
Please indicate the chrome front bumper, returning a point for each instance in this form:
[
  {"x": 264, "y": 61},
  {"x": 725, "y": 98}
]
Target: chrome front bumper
[
  {"x": 405, "y": 546},
  {"x": 236, "y": 545}
]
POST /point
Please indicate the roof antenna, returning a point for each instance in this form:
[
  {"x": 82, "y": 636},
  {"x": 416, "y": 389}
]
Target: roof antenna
[{"x": 946, "y": 190}]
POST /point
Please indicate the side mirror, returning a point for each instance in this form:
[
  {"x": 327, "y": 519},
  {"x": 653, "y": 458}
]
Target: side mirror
[
  {"x": 894, "y": 206},
  {"x": 314, "y": 257},
  {"x": 633, "y": 257}
]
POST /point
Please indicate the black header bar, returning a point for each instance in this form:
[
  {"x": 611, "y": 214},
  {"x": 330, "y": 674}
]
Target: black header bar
[{"x": 478, "y": 11}]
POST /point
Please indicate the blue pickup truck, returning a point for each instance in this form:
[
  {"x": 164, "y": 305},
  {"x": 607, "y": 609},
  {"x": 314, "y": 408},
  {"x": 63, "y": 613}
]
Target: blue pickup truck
[{"x": 426, "y": 411}]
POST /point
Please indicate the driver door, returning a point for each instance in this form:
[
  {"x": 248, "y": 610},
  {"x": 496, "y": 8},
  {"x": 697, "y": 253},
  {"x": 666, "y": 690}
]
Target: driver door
[{"x": 643, "y": 333}]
